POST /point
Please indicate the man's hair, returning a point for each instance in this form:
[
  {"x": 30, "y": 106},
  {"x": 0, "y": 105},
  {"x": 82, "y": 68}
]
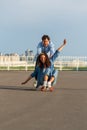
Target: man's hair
[
  {"x": 45, "y": 37},
  {"x": 40, "y": 64}
]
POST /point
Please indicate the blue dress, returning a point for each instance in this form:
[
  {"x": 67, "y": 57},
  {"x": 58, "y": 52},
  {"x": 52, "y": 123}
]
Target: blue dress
[{"x": 50, "y": 71}]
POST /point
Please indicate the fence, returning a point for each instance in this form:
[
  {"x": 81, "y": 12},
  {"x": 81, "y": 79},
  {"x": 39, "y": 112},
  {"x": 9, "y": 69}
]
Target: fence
[
  {"x": 71, "y": 63},
  {"x": 62, "y": 63}
]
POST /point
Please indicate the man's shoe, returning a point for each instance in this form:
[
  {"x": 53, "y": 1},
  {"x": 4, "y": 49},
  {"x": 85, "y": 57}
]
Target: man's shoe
[{"x": 35, "y": 84}]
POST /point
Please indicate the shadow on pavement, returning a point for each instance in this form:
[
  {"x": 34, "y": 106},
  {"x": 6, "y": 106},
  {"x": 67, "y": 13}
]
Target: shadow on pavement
[
  {"x": 24, "y": 88},
  {"x": 19, "y": 88}
]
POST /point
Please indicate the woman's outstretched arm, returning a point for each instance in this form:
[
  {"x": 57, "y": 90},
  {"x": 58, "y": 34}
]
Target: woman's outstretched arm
[
  {"x": 62, "y": 46},
  {"x": 56, "y": 54},
  {"x": 29, "y": 78}
]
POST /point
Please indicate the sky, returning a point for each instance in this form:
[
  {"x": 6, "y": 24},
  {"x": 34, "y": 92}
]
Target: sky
[{"x": 23, "y": 22}]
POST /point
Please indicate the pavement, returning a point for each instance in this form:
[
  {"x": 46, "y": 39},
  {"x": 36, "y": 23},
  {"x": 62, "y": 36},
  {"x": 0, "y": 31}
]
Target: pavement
[{"x": 23, "y": 108}]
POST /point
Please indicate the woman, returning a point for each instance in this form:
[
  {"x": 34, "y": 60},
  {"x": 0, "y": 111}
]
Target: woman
[{"x": 44, "y": 71}]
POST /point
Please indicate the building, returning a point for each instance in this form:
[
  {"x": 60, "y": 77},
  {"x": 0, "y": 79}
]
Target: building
[
  {"x": 11, "y": 60},
  {"x": 14, "y": 57},
  {"x": 29, "y": 56},
  {"x": 9, "y": 57},
  {"x": 29, "y": 52}
]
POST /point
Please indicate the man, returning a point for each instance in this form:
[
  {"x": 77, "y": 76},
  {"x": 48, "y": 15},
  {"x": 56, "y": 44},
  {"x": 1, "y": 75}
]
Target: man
[{"x": 45, "y": 46}]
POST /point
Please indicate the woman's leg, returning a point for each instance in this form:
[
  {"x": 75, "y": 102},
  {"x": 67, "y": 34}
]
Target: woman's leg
[
  {"x": 47, "y": 84},
  {"x": 52, "y": 81}
]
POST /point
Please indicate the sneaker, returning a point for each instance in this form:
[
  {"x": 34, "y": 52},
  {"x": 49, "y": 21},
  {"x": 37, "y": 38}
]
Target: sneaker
[
  {"x": 43, "y": 89},
  {"x": 35, "y": 84},
  {"x": 47, "y": 89},
  {"x": 51, "y": 89}
]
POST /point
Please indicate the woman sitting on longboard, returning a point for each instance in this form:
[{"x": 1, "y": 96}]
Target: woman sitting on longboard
[{"x": 44, "y": 71}]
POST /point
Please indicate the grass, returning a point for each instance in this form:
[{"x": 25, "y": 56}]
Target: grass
[
  {"x": 16, "y": 68},
  {"x": 32, "y": 68},
  {"x": 73, "y": 68}
]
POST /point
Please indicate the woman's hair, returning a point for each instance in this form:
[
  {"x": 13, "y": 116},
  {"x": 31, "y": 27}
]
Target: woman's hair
[
  {"x": 45, "y": 37},
  {"x": 39, "y": 62}
]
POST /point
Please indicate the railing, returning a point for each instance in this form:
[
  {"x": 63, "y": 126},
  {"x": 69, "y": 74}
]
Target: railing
[
  {"x": 62, "y": 63},
  {"x": 71, "y": 63}
]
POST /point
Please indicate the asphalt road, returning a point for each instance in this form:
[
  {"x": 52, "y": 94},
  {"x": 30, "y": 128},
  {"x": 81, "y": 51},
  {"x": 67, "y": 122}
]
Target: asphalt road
[{"x": 23, "y": 108}]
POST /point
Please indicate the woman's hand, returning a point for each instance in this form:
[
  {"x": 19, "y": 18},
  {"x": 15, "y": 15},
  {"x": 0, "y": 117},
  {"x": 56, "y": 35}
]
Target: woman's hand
[{"x": 64, "y": 42}]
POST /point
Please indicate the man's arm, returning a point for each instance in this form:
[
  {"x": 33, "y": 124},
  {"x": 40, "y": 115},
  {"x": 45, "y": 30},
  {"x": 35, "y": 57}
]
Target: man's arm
[
  {"x": 52, "y": 49},
  {"x": 39, "y": 48}
]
